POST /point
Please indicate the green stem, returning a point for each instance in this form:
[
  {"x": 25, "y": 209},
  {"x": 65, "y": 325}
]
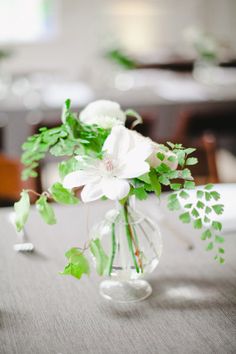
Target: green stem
[
  {"x": 113, "y": 247},
  {"x": 129, "y": 237}
]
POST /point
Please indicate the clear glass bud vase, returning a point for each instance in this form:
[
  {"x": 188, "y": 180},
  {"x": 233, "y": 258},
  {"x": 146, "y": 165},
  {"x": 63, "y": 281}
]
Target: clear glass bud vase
[{"x": 131, "y": 247}]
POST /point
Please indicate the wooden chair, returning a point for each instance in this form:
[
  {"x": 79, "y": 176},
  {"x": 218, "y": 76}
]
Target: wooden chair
[{"x": 11, "y": 184}]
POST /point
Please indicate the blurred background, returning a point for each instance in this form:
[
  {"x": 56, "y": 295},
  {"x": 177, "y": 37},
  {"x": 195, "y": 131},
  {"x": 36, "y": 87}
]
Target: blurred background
[{"x": 172, "y": 61}]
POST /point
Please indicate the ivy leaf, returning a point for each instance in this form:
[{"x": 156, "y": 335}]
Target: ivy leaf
[
  {"x": 197, "y": 224},
  {"x": 217, "y": 225},
  {"x": 63, "y": 195},
  {"x": 78, "y": 264},
  {"x": 185, "y": 218},
  {"x": 218, "y": 208},
  {"x": 191, "y": 161},
  {"x": 22, "y": 208},
  {"x": 155, "y": 182},
  {"x": 45, "y": 210},
  {"x": 100, "y": 256},
  {"x": 221, "y": 250}
]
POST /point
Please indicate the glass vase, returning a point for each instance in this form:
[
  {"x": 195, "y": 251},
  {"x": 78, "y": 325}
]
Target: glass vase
[{"x": 131, "y": 245}]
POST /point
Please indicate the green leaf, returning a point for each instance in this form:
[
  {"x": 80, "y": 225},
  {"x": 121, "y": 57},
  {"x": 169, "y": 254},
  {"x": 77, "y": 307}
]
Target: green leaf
[
  {"x": 186, "y": 174},
  {"x": 191, "y": 161},
  {"x": 206, "y": 220},
  {"x": 185, "y": 218},
  {"x": 200, "y": 205},
  {"x": 145, "y": 178},
  {"x": 155, "y": 182},
  {"x": 65, "y": 110},
  {"x": 215, "y": 195},
  {"x": 206, "y": 234},
  {"x": 184, "y": 195},
  {"x": 189, "y": 185},
  {"x": 219, "y": 239},
  {"x": 195, "y": 213},
  {"x": 197, "y": 224},
  {"x": 175, "y": 186},
  {"x": 200, "y": 194},
  {"x": 140, "y": 193},
  {"x": 209, "y": 186},
  {"x": 188, "y": 206},
  {"x": 221, "y": 250},
  {"x": 164, "y": 180},
  {"x": 221, "y": 260},
  {"x": 172, "y": 158},
  {"x": 181, "y": 157},
  {"x": 68, "y": 166},
  {"x": 218, "y": 208},
  {"x": 189, "y": 151},
  {"x": 208, "y": 210},
  {"x": 100, "y": 256},
  {"x": 160, "y": 156},
  {"x": 174, "y": 205},
  {"x": 217, "y": 225},
  {"x": 78, "y": 264},
  {"x": 45, "y": 210},
  {"x": 210, "y": 246},
  {"x": 207, "y": 196},
  {"x": 22, "y": 208},
  {"x": 63, "y": 195}
]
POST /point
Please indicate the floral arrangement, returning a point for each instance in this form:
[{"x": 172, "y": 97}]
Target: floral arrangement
[{"x": 106, "y": 160}]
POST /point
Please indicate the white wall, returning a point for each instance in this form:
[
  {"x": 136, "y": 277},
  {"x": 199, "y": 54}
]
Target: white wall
[{"x": 85, "y": 27}]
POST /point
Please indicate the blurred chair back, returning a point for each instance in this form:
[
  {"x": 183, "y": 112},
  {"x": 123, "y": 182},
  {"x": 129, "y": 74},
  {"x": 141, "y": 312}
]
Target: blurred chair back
[
  {"x": 11, "y": 184},
  {"x": 201, "y": 129},
  {"x": 220, "y": 122}
]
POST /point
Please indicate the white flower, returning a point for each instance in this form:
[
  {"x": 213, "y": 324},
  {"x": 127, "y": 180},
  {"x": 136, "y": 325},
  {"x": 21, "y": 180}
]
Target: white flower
[
  {"x": 106, "y": 114},
  {"x": 123, "y": 158},
  {"x": 153, "y": 160}
]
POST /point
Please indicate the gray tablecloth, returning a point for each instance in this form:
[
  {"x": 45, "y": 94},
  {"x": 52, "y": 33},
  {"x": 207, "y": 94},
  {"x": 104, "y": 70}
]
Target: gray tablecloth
[{"x": 192, "y": 308}]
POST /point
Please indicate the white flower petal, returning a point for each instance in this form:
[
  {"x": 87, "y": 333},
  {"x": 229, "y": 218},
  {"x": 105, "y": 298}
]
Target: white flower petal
[
  {"x": 92, "y": 191},
  {"x": 104, "y": 113},
  {"x": 134, "y": 169},
  {"x": 118, "y": 142},
  {"x": 142, "y": 151},
  {"x": 114, "y": 188},
  {"x": 78, "y": 178}
]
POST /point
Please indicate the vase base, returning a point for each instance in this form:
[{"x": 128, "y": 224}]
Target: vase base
[{"x": 125, "y": 291}]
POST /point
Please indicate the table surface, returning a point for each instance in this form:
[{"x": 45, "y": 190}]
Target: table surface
[{"x": 192, "y": 308}]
